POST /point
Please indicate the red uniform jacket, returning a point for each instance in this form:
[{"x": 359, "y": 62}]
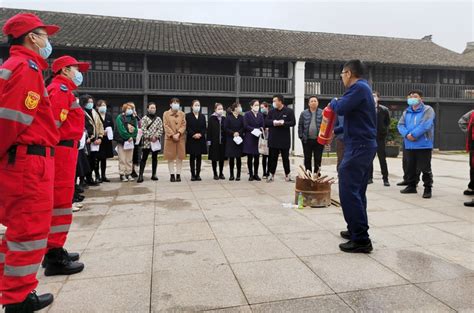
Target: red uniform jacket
[
  {"x": 26, "y": 117},
  {"x": 68, "y": 114}
]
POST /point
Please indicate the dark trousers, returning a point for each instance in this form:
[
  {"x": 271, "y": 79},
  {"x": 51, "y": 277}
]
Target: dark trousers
[
  {"x": 353, "y": 178},
  {"x": 232, "y": 163},
  {"x": 419, "y": 161},
  {"x": 265, "y": 165},
  {"x": 382, "y": 160},
  {"x": 285, "y": 155},
  {"x": 154, "y": 161},
  {"x": 312, "y": 150},
  {"x": 137, "y": 155},
  {"x": 103, "y": 167},
  {"x": 253, "y": 161},
  {"x": 339, "y": 152},
  {"x": 195, "y": 161},
  {"x": 94, "y": 165},
  {"x": 221, "y": 167},
  {"x": 471, "y": 158}
]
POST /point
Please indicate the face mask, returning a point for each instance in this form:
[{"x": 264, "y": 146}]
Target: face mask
[
  {"x": 238, "y": 110},
  {"x": 129, "y": 112},
  {"x": 152, "y": 112},
  {"x": 413, "y": 101},
  {"x": 102, "y": 109},
  {"x": 46, "y": 51},
  {"x": 264, "y": 110},
  {"x": 196, "y": 108},
  {"x": 89, "y": 105},
  {"x": 78, "y": 78},
  {"x": 175, "y": 106},
  {"x": 220, "y": 112},
  {"x": 255, "y": 108},
  {"x": 274, "y": 105}
]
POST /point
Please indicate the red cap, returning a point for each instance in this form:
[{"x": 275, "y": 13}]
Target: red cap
[
  {"x": 23, "y": 23},
  {"x": 67, "y": 60}
]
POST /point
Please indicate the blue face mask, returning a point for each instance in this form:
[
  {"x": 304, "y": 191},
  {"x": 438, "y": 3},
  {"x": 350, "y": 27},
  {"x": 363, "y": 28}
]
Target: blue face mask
[
  {"x": 129, "y": 112},
  {"x": 89, "y": 105},
  {"x": 264, "y": 111},
  {"x": 102, "y": 109},
  {"x": 78, "y": 78},
  {"x": 46, "y": 51},
  {"x": 413, "y": 101}
]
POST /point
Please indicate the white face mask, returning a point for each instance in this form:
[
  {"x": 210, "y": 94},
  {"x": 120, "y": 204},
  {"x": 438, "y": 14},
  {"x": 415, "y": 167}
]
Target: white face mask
[
  {"x": 196, "y": 108},
  {"x": 220, "y": 112},
  {"x": 238, "y": 110},
  {"x": 256, "y": 108},
  {"x": 274, "y": 105},
  {"x": 175, "y": 106}
]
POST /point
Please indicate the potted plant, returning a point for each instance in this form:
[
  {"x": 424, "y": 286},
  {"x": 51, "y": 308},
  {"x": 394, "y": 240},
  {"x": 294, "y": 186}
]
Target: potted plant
[{"x": 394, "y": 140}]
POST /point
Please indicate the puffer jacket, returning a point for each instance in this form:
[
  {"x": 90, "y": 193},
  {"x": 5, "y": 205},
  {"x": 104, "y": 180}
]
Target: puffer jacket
[
  {"x": 305, "y": 121},
  {"x": 420, "y": 124}
]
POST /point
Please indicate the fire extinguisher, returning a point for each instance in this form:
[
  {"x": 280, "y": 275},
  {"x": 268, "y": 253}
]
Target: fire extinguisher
[{"x": 327, "y": 126}]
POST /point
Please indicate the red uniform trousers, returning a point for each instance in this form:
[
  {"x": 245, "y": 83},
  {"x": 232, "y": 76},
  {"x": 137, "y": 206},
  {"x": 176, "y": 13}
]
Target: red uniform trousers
[
  {"x": 25, "y": 209},
  {"x": 65, "y": 160}
]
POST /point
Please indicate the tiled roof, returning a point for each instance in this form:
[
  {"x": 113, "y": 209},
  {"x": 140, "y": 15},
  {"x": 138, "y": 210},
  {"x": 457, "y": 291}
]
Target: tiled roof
[{"x": 162, "y": 37}]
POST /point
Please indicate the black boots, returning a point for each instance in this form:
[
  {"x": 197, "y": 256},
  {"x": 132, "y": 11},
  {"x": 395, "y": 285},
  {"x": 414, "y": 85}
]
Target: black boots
[
  {"x": 356, "y": 247},
  {"x": 427, "y": 193},
  {"x": 386, "y": 183},
  {"x": 32, "y": 303},
  {"x": 178, "y": 177},
  {"x": 408, "y": 189},
  {"x": 58, "y": 262},
  {"x": 172, "y": 178},
  {"x": 140, "y": 176},
  {"x": 73, "y": 256}
]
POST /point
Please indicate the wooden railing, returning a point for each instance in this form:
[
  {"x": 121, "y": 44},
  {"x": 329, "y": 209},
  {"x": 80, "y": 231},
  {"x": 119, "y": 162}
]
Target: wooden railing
[
  {"x": 192, "y": 82},
  {"x": 457, "y": 92},
  {"x": 400, "y": 90},
  {"x": 113, "y": 80},
  {"x": 266, "y": 85},
  {"x": 324, "y": 87}
]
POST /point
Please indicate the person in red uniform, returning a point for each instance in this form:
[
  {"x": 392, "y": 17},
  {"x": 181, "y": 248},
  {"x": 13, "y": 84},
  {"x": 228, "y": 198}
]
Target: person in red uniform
[
  {"x": 29, "y": 135},
  {"x": 69, "y": 118}
]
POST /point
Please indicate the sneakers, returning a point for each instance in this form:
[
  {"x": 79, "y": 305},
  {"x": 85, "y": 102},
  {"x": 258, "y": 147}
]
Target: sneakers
[
  {"x": 32, "y": 303},
  {"x": 469, "y": 192},
  {"x": 76, "y": 207},
  {"x": 354, "y": 247},
  {"x": 123, "y": 178},
  {"x": 130, "y": 178},
  {"x": 288, "y": 178}
]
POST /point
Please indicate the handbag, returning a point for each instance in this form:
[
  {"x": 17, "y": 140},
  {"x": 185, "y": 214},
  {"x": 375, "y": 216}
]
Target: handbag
[{"x": 263, "y": 144}]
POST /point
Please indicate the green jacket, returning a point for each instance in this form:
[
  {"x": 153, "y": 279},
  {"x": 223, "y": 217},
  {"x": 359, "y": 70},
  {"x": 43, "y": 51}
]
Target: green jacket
[{"x": 122, "y": 134}]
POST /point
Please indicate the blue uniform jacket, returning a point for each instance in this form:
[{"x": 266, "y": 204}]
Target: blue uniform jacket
[
  {"x": 358, "y": 108},
  {"x": 420, "y": 124}
]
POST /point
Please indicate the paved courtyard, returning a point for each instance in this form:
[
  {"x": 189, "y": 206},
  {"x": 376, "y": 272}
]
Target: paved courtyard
[{"x": 233, "y": 247}]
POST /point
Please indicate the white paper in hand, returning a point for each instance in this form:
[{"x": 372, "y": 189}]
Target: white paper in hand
[
  {"x": 110, "y": 133},
  {"x": 238, "y": 140},
  {"x": 256, "y": 132},
  {"x": 156, "y": 146},
  {"x": 94, "y": 147},
  {"x": 128, "y": 145}
]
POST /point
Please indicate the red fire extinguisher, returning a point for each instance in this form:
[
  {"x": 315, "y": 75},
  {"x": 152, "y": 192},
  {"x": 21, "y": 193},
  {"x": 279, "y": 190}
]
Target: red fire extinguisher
[{"x": 327, "y": 126}]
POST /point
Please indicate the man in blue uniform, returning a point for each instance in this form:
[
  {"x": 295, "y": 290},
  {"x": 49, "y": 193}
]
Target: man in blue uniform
[{"x": 360, "y": 131}]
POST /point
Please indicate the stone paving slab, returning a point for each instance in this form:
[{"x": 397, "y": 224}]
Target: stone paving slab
[{"x": 222, "y": 246}]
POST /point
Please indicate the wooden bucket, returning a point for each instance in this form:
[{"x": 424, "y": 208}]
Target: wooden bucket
[{"x": 316, "y": 195}]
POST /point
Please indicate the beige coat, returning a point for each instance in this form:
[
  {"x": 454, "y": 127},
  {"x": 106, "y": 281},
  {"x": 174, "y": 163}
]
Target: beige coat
[
  {"x": 173, "y": 123},
  {"x": 97, "y": 123}
]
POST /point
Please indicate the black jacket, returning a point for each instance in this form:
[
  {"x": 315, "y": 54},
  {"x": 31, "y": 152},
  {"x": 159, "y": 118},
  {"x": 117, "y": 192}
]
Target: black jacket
[
  {"x": 383, "y": 121},
  {"x": 279, "y": 137},
  {"x": 195, "y": 126},
  {"x": 216, "y": 138},
  {"x": 232, "y": 125}
]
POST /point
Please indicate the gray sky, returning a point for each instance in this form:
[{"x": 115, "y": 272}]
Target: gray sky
[{"x": 450, "y": 22}]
